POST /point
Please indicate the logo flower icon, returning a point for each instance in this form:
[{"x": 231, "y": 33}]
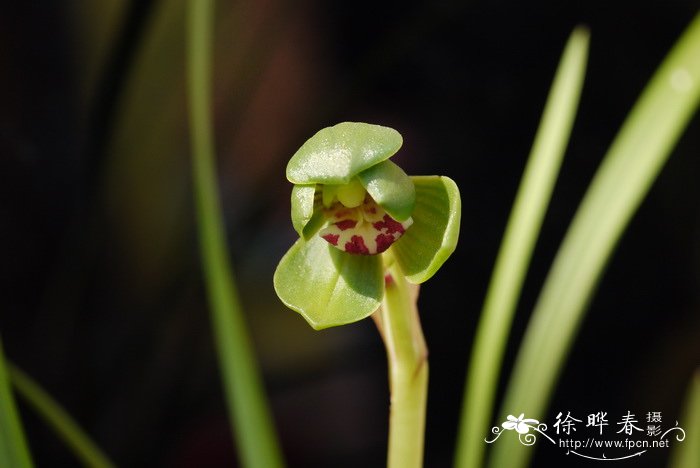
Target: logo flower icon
[{"x": 522, "y": 426}]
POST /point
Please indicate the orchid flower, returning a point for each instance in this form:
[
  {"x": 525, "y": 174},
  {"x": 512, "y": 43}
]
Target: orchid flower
[{"x": 356, "y": 212}]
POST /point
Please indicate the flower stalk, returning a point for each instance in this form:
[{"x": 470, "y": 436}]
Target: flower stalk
[{"x": 407, "y": 355}]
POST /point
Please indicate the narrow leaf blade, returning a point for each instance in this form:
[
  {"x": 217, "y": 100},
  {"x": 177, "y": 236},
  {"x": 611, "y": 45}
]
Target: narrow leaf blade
[
  {"x": 631, "y": 165},
  {"x": 247, "y": 406},
  {"x": 66, "y": 428},
  {"x": 516, "y": 250},
  {"x": 13, "y": 446},
  {"x": 687, "y": 453}
]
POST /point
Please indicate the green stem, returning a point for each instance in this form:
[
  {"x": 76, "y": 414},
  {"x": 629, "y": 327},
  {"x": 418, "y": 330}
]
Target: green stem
[
  {"x": 57, "y": 417},
  {"x": 408, "y": 370},
  {"x": 243, "y": 389}
]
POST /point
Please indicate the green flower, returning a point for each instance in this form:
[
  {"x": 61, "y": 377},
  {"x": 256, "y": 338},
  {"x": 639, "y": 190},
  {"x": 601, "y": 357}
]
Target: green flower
[{"x": 356, "y": 211}]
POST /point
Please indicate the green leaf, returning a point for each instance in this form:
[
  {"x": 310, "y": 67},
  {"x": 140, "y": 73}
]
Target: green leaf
[
  {"x": 687, "y": 454},
  {"x": 248, "y": 411},
  {"x": 433, "y": 236},
  {"x": 391, "y": 188},
  {"x": 14, "y": 451},
  {"x": 307, "y": 216},
  {"x": 623, "y": 179},
  {"x": 516, "y": 250},
  {"x": 65, "y": 427},
  {"x": 326, "y": 286},
  {"x": 336, "y": 154}
]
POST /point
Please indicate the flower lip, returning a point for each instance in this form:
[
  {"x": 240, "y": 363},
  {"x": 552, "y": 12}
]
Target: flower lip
[
  {"x": 334, "y": 155},
  {"x": 363, "y": 230}
]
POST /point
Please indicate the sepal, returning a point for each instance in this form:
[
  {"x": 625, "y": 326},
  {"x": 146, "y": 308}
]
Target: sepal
[
  {"x": 326, "y": 286},
  {"x": 433, "y": 237},
  {"x": 334, "y": 155}
]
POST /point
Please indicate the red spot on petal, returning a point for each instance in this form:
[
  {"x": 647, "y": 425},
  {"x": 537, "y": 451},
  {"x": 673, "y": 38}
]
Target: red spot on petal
[
  {"x": 384, "y": 241},
  {"x": 388, "y": 280},
  {"x": 356, "y": 246},
  {"x": 346, "y": 224},
  {"x": 332, "y": 238},
  {"x": 390, "y": 224}
]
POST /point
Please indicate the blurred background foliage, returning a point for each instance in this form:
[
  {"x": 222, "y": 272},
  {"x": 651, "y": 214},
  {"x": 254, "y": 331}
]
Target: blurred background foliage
[{"x": 103, "y": 300}]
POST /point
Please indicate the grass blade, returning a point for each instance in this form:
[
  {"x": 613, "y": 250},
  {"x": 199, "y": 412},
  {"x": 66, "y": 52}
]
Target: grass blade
[
  {"x": 243, "y": 389},
  {"x": 56, "y": 417},
  {"x": 516, "y": 250},
  {"x": 687, "y": 453},
  {"x": 14, "y": 451},
  {"x": 625, "y": 176}
]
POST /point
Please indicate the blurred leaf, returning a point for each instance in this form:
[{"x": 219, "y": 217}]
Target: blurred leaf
[
  {"x": 627, "y": 172},
  {"x": 326, "y": 286},
  {"x": 99, "y": 24},
  {"x": 686, "y": 453},
  {"x": 334, "y": 155},
  {"x": 13, "y": 446},
  {"x": 56, "y": 417},
  {"x": 516, "y": 250},
  {"x": 432, "y": 238},
  {"x": 146, "y": 181},
  {"x": 245, "y": 397}
]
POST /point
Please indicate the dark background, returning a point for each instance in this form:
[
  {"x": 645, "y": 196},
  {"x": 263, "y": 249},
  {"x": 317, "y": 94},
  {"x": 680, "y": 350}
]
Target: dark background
[{"x": 102, "y": 299}]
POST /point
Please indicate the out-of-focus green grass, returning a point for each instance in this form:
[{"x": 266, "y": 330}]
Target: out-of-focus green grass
[
  {"x": 517, "y": 247},
  {"x": 625, "y": 176},
  {"x": 246, "y": 400}
]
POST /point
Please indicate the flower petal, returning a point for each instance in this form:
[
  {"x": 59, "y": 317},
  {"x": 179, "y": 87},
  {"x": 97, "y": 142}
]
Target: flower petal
[
  {"x": 433, "y": 237},
  {"x": 522, "y": 428},
  {"x": 326, "y": 286},
  {"x": 391, "y": 188},
  {"x": 302, "y": 205},
  {"x": 307, "y": 215},
  {"x": 509, "y": 425},
  {"x": 336, "y": 154}
]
